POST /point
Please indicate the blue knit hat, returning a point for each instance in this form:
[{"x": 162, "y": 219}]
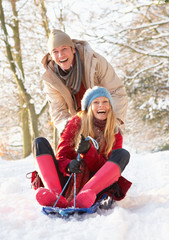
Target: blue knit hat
[{"x": 93, "y": 93}]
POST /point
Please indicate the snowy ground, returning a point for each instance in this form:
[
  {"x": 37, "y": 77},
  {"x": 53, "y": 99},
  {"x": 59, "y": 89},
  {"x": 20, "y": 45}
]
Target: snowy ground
[{"x": 142, "y": 215}]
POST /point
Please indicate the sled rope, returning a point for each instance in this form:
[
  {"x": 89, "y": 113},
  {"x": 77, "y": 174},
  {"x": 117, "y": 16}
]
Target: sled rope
[
  {"x": 96, "y": 145},
  {"x": 62, "y": 190},
  {"x": 74, "y": 190}
]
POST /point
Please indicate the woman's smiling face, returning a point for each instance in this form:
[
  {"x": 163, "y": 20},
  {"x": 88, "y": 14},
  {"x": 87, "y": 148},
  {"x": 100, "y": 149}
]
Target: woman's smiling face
[{"x": 100, "y": 107}]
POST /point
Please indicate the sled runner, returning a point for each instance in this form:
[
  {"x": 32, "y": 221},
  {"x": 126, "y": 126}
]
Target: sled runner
[
  {"x": 66, "y": 212},
  {"x": 104, "y": 200}
]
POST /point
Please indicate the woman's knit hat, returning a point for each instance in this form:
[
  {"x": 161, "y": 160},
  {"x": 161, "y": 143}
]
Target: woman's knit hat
[
  {"x": 58, "y": 38},
  {"x": 93, "y": 93}
]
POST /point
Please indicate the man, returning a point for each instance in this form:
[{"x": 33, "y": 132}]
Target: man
[{"x": 72, "y": 67}]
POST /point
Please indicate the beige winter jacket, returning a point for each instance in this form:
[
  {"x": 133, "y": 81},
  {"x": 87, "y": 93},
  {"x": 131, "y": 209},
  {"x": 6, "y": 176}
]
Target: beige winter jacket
[{"x": 96, "y": 71}]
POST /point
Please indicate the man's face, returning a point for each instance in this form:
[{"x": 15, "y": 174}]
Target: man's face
[{"x": 63, "y": 56}]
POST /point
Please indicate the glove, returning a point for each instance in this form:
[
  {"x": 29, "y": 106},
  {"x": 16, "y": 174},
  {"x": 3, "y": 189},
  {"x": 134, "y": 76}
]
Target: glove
[
  {"x": 84, "y": 145},
  {"x": 73, "y": 167}
]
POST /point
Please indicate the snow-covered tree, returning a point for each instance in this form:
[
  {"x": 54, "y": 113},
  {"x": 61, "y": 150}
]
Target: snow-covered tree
[
  {"x": 17, "y": 55},
  {"x": 132, "y": 35}
]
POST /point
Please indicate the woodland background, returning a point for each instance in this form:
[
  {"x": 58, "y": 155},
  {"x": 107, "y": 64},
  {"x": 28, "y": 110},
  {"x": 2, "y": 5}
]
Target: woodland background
[{"x": 133, "y": 35}]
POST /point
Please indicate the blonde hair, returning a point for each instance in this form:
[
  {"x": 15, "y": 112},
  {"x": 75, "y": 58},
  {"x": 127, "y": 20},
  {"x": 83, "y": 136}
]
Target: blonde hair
[{"x": 87, "y": 128}]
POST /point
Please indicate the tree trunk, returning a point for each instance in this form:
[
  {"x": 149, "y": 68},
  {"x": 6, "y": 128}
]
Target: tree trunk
[
  {"x": 34, "y": 121},
  {"x": 28, "y": 114},
  {"x": 27, "y": 146},
  {"x": 27, "y": 143}
]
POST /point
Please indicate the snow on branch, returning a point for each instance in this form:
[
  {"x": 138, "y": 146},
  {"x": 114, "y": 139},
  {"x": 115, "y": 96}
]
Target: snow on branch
[
  {"x": 143, "y": 70},
  {"x": 143, "y": 52},
  {"x": 144, "y": 5},
  {"x": 155, "y": 24}
]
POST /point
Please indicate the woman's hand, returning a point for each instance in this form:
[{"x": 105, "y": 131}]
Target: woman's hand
[
  {"x": 84, "y": 145},
  {"x": 73, "y": 167}
]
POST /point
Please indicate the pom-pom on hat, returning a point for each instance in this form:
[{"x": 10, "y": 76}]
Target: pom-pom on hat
[
  {"x": 93, "y": 93},
  {"x": 58, "y": 38}
]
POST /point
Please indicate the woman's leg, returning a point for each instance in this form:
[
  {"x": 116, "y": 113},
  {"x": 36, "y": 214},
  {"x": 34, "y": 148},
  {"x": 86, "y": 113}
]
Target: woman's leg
[
  {"x": 108, "y": 174},
  {"x": 49, "y": 173},
  {"x": 120, "y": 157}
]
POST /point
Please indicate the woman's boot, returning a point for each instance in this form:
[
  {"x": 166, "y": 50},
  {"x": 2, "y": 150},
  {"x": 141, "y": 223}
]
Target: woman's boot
[
  {"x": 105, "y": 176},
  {"x": 47, "y": 170}
]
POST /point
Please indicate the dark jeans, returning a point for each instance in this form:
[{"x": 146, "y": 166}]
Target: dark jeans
[{"x": 120, "y": 157}]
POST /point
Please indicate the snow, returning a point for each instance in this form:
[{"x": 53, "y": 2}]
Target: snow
[{"x": 143, "y": 214}]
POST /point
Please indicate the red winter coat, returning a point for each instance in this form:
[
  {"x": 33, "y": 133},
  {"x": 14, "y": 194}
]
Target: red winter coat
[
  {"x": 66, "y": 151},
  {"x": 92, "y": 159}
]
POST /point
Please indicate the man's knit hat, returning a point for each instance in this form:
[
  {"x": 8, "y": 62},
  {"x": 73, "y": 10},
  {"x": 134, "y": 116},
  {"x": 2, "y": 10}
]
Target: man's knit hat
[
  {"x": 93, "y": 93},
  {"x": 58, "y": 38}
]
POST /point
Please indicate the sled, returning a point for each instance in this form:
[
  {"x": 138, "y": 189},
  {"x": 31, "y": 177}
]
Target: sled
[
  {"x": 66, "y": 212},
  {"x": 104, "y": 200}
]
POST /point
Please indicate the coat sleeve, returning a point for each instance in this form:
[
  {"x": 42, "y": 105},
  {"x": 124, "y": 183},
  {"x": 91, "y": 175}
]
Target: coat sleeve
[
  {"x": 57, "y": 106},
  {"x": 118, "y": 141},
  {"x": 66, "y": 148},
  {"x": 107, "y": 78},
  {"x": 94, "y": 160}
]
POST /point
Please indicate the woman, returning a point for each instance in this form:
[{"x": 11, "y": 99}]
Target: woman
[{"x": 98, "y": 169}]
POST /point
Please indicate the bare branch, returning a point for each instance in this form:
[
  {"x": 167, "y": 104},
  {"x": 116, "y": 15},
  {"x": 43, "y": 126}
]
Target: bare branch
[
  {"x": 143, "y": 70},
  {"x": 150, "y": 25}
]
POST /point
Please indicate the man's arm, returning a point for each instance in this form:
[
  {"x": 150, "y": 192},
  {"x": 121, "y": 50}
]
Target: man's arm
[
  {"x": 57, "y": 106},
  {"x": 107, "y": 78}
]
